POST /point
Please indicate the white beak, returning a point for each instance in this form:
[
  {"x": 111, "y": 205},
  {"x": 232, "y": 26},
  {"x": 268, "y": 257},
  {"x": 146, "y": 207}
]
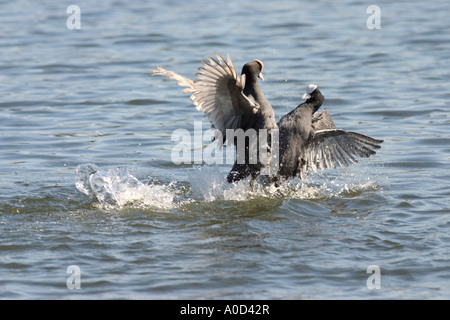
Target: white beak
[{"x": 306, "y": 96}]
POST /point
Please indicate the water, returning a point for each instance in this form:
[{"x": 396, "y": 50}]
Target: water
[{"x": 142, "y": 227}]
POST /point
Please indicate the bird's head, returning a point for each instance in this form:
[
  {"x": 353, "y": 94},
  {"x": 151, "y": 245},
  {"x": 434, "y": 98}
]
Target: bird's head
[
  {"x": 313, "y": 96},
  {"x": 253, "y": 69}
]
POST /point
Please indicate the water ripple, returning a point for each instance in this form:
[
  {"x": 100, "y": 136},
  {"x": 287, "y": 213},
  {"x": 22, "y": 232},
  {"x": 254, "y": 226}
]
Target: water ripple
[{"x": 153, "y": 229}]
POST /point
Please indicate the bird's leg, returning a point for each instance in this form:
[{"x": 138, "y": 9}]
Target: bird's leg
[
  {"x": 254, "y": 175},
  {"x": 275, "y": 180},
  {"x": 252, "y": 184}
]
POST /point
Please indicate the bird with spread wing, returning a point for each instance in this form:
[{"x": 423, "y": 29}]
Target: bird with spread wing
[{"x": 308, "y": 139}]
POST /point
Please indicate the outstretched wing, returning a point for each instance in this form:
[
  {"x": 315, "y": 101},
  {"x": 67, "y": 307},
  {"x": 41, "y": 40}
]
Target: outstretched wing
[
  {"x": 332, "y": 147},
  {"x": 181, "y": 81},
  {"x": 218, "y": 92}
]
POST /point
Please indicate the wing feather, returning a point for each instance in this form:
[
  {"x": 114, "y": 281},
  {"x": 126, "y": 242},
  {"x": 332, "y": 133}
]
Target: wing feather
[
  {"x": 330, "y": 148},
  {"x": 181, "y": 81},
  {"x": 217, "y": 91},
  {"x": 219, "y": 94}
]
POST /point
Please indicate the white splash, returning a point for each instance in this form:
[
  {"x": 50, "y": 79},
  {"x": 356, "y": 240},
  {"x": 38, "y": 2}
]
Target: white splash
[
  {"x": 207, "y": 183},
  {"x": 116, "y": 188}
]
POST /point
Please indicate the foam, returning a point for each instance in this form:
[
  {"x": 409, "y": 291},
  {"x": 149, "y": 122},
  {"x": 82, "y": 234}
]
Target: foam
[{"x": 117, "y": 187}]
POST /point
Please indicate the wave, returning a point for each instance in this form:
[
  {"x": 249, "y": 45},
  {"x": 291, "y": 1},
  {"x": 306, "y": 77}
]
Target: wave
[{"x": 117, "y": 187}]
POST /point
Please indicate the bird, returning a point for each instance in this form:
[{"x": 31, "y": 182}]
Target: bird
[
  {"x": 235, "y": 102},
  {"x": 307, "y": 139}
]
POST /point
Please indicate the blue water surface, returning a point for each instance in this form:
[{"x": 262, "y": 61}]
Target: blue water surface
[{"x": 140, "y": 226}]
